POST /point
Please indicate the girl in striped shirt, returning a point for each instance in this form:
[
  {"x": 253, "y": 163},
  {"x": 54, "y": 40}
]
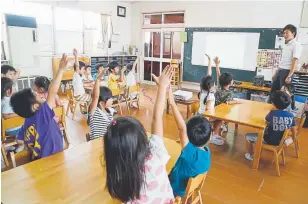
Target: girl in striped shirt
[{"x": 100, "y": 113}]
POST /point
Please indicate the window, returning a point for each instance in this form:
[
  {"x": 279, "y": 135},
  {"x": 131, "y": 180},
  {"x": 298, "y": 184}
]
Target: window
[
  {"x": 92, "y": 21},
  {"x": 163, "y": 18}
]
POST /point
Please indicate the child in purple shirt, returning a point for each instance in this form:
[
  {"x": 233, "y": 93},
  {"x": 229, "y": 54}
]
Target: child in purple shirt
[{"x": 40, "y": 133}]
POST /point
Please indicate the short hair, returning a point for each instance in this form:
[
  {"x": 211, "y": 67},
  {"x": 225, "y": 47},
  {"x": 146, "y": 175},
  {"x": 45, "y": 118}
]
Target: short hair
[
  {"x": 126, "y": 149},
  {"x": 88, "y": 66},
  {"x": 112, "y": 65},
  {"x": 6, "y": 68},
  {"x": 129, "y": 68},
  {"x": 6, "y": 84},
  {"x": 225, "y": 79},
  {"x": 281, "y": 100},
  {"x": 81, "y": 65},
  {"x": 22, "y": 103},
  {"x": 97, "y": 66},
  {"x": 198, "y": 130},
  {"x": 291, "y": 28},
  {"x": 104, "y": 94},
  {"x": 42, "y": 82}
]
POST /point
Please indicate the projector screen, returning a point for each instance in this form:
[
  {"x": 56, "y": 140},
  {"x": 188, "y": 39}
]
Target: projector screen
[{"x": 235, "y": 50}]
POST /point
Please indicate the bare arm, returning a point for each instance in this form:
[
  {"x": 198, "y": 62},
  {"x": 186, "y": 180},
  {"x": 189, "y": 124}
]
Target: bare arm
[
  {"x": 134, "y": 65},
  {"x": 209, "y": 67},
  {"x": 293, "y": 130},
  {"x": 209, "y": 104},
  {"x": 56, "y": 82},
  {"x": 217, "y": 62},
  {"x": 96, "y": 93},
  {"x": 122, "y": 75},
  {"x": 162, "y": 82},
  {"x": 178, "y": 119},
  {"x": 10, "y": 115},
  {"x": 292, "y": 69},
  {"x": 75, "y": 53}
]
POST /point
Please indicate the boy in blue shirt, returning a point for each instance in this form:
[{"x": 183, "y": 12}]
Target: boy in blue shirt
[
  {"x": 40, "y": 133},
  {"x": 278, "y": 120},
  {"x": 195, "y": 158}
]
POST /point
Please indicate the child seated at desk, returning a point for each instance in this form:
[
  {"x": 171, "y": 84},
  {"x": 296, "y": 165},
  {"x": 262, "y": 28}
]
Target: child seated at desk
[
  {"x": 113, "y": 79},
  {"x": 10, "y": 72},
  {"x": 278, "y": 120},
  {"x": 131, "y": 80},
  {"x": 100, "y": 112},
  {"x": 7, "y": 91},
  {"x": 222, "y": 95},
  {"x": 195, "y": 158},
  {"x": 135, "y": 165},
  {"x": 87, "y": 75},
  {"x": 79, "y": 70},
  {"x": 289, "y": 89},
  {"x": 40, "y": 133}
]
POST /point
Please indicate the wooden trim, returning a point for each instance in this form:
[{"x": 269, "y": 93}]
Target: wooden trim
[{"x": 164, "y": 12}]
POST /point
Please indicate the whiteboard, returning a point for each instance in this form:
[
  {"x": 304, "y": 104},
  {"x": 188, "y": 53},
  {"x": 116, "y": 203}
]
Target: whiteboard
[
  {"x": 235, "y": 50},
  {"x": 66, "y": 41}
]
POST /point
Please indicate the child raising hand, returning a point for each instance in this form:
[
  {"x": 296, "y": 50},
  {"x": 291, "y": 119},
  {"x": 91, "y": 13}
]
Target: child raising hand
[{"x": 135, "y": 165}]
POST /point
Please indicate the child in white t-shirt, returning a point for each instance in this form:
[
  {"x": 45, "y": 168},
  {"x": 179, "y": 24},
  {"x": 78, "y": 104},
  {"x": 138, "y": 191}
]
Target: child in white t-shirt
[{"x": 131, "y": 80}]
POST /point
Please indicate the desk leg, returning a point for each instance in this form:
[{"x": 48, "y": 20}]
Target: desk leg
[
  {"x": 258, "y": 148},
  {"x": 167, "y": 107},
  {"x": 188, "y": 111}
]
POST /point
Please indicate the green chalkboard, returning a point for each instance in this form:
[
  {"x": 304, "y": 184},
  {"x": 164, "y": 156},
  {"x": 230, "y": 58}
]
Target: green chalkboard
[{"x": 194, "y": 73}]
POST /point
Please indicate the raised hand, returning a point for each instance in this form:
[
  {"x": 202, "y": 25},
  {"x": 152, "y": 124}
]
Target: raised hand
[
  {"x": 165, "y": 77},
  {"x": 63, "y": 62},
  {"x": 75, "y": 52},
  {"x": 216, "y": 60},
  {"x": 208, "y": 57}
]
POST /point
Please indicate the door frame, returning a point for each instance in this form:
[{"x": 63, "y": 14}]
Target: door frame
[{"x": 161, "y": 59}]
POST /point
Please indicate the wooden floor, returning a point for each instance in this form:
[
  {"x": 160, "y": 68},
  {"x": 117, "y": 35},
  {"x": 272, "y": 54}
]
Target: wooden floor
[{"x": 231, "y": 178}]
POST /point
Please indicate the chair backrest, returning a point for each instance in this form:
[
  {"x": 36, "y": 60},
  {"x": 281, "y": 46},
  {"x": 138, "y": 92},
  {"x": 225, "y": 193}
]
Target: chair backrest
[
  {"x": 194, "y": 184},
  {"x": 70, "y": 93},
  {"x": 10, "y": 123},
  {"x": 135, "y": 88},
  {"x": 60, "y": 113},
  {"x": 195, "y": 107},
  {"x": 301, "y": 123},
  {"x": 115, "y": 92},
  {"x": 284, "y": 136}
]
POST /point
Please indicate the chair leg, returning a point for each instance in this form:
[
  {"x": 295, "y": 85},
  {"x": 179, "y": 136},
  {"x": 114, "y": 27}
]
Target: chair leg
[
  {"x": 200, "y": 197},
  {"x": 127, "y": 105},
  {"x": 283, "y": 157},
  {"x": 4, "y": 155},
  {"x": 276, "y": 163},
  {"x": 296, "y": 147},
  {"x": 120, "y": 109},
  {"x": 65, "y": 139},
  {"x": 67, "y": 109},
  {"x": 74, "y": 111},
  {"x": 12, "y": 155}
]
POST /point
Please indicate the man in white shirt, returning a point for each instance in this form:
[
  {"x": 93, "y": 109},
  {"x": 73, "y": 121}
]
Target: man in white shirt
[{"x": 289, "y": 58}]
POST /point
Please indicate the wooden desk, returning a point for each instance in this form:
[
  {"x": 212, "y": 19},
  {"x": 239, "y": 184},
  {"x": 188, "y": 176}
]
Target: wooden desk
[
  {"x": 188, "y": 104},
  {"x": 249, "y": 113},
  {"x": 250, "y": 86},
  {"x": 75, "y": 175}
]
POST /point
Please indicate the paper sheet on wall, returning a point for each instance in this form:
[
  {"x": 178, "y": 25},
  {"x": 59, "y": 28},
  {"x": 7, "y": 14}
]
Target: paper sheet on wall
[{"x": 279, "y": 42}]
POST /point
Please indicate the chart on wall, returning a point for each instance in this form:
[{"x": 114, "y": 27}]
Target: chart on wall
[{"x": 235, "y": 50}]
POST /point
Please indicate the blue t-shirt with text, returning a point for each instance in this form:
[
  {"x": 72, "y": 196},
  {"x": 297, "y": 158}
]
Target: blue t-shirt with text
[
  {"x": 278, "y": 122},
  {"x": 192, "y": 162},
  {"x": 41, "y": 133}
]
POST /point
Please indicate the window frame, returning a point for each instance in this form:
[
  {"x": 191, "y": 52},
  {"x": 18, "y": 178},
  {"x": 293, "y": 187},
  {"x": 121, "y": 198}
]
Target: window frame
[{"x": 163, "y": 24}]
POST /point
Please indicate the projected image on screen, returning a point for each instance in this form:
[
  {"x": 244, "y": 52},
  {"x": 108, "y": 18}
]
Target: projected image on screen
[{"x": 235, "y": 50}]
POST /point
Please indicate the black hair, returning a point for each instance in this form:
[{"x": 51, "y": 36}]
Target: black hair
[
  {"x": 291, "y": 28},
  {"x": 81, "y": 65},
  {"x": 6, "y": 84},
  {"x": 42, "y": 82},
  {"x": 225, "y": 79},
  {"x": 129, "y": 68},
  {"x": 126, "y": 149},
  {"x": 22, "y": 103},
  {"x": 6, "y": 68},
  {"x": 198, "y": 130},
  {"x": 88, "y": 66},
  {"x": 97, "y": 66},
  {"x": 112, "y": 65},
  {"x": 281, "y": 100},
  {"x": 291, "y": 89},
  {"x": 206, "y": 85}
]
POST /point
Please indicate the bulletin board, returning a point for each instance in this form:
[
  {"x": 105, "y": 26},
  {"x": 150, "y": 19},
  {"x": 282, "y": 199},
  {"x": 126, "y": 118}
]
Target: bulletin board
[{"x": 194, "y": 73}]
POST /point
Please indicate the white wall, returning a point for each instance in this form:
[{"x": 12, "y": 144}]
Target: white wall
[{"x": 248, "y": 14}]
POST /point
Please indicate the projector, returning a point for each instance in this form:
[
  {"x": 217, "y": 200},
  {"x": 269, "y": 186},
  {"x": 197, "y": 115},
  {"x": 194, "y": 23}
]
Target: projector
[{"x": 182, "y": 95}]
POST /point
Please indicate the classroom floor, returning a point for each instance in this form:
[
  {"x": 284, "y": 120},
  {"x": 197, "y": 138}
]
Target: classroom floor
[{"x": 231, "y": 178}]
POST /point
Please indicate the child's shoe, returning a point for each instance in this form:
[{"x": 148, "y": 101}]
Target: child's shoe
[{"x": 248, "y": 156}]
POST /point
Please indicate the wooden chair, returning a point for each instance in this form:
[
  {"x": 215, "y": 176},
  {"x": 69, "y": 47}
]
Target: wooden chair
[
  {"x": 60, "y": 112},
  {"x": 193, "y": 190},
  {"x": 194, "y": 108},
  {"x": 20, "y": 158},
  {"x": 277, "y": 150},
  {"x": 130, "y": 100},
  {"x": 73, "y": 103},
  {"x": 88, "y": 137},
  {"x": 117, "y": 101},
  {"x": 8, "y": 141},
  {"x": 295, "y": 137}
]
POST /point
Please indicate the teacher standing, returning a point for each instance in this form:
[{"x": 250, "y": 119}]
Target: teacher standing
[{"x": 291, "y": 52}]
